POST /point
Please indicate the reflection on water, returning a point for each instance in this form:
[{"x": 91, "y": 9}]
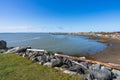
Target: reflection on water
[{"x": 67, "y": 44}]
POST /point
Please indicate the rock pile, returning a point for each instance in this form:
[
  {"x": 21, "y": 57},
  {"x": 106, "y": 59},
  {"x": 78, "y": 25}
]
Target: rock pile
[{"x": 84, "y": 69}]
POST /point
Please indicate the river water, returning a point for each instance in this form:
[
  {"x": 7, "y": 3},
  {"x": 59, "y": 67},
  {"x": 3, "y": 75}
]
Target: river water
[{"x": 68, "y": 44}]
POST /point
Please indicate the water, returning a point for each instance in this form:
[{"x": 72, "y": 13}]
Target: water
[{"x": 68, "y": 44}]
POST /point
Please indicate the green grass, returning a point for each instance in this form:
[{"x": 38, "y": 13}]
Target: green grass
[{"x": 14, "y": 67}]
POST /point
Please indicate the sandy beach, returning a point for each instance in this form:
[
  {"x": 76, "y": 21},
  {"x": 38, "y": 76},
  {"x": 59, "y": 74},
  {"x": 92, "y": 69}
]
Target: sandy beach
[{"x": 111, "y": 54}]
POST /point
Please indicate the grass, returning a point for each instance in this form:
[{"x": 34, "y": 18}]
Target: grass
[{"x": 14, "y": 67}]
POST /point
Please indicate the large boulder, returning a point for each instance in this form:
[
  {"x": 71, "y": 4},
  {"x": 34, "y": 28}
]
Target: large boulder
[
  {"x": 42, "y": 59},
  {"x": 17, "y": 50},
  {"x": 103, "y": 74},
  {"x": 67, "y": 62},
  {"x": 3, "y": 44},
  {"x": 78, "y": 68},
  {"x": 116, "y": 74},
  {"x": 2, "y": 50},
  {"x": 57, "y": 62}
]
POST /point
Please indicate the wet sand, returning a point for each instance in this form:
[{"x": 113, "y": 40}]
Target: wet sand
[{"x": 111, "y": 54}]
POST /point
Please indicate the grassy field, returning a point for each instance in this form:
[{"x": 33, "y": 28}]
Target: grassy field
[{"x": 14, "y": 67}]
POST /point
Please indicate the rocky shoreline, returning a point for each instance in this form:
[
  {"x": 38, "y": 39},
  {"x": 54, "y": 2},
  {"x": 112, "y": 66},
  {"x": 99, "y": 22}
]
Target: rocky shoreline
[{"x": 86, "y": 70}]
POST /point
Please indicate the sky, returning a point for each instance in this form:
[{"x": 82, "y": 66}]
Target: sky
[{"x": 59, "y": 15}]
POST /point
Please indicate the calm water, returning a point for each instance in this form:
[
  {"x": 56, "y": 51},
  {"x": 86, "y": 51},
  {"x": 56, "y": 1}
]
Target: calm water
[{"x": 67, "y": 44}]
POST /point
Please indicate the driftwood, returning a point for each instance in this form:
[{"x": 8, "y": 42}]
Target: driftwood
[
  {"x": 37, "y": 50},
  {"x": 90, "y": 61}
]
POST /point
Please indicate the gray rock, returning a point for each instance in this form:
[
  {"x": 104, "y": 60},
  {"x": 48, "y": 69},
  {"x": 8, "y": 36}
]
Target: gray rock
[
  {"x": 48, "y": 58},
  {"x": 64, "y": 66},
  {"x": 17, "y": 50},
  {"x": 86, "y": 76},
  {"x": 3, "y": 44},
  {"x": 101, "y": 74},
  {"x": 49, "y": 64},
  {"x": 95, "y": 66},
  {"x": 41, "y": 59},
  {"x": 67, "y": 62},
  {"x": 116, "y": 71},
  {"x": 29, "y": 55},
  {"x": 69, "y": 72},
  {"x": 103, "y": 67},
  {"x": 77, "y": 68},
  {"x": 56, "y": 62},
  {"x": 116, "y": 74},
  {"x": 2, "y": 50},
  {"x": 24, "y": 55},
  {"x": 86, "y": 64},
  {"x": 13, "y": 50},
  {"x": 57, "y": 68}
]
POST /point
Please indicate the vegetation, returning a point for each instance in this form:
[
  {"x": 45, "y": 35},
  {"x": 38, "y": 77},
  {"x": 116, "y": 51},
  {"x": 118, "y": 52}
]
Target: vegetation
[{"x": 14, "y": 67}]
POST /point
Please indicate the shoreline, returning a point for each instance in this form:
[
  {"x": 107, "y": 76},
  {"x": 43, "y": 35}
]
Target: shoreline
[{"x": 111, "y": 54}]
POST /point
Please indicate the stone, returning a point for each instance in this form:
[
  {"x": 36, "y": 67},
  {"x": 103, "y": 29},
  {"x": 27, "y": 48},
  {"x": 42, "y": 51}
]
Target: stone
[
  {"x": 69, "y": 72},
  {"x": 101, "y": 74},
  {"x": 29, "y": 55},
  {"x": 64, "y": 66},
  {"x": 49, "y": 64},
  {"x": 56, "y": 62},
  {"x": 3, "y": 44},
  {"x": 48, "y": 58},
  {"x": 24, "y": 55},
  {"x": 96, "y": 66},
  {"x": 67, "y": 62},
  {"x": 116, "y": 74},
  {"x": 77, "y": 68},
  {"x": 41, "y": 59},
  {"x": 13, "y": 50},
  {"x": 35, "y": 59},
  {"x": 2, "y": 50},
  {"x": 17, "y": 50},
  {"x": 104, "y": 67},
  {"x": 57, "y": 68},
  {"x": 86, "y": 64},
  {"x": 86, "y": 76}
]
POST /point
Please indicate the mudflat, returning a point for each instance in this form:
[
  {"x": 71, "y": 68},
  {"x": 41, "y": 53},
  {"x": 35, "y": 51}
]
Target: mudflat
[{"x": 111, "y": 54}]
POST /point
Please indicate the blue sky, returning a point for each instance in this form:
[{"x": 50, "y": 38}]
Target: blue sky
[{"x": 59, "y": 15}]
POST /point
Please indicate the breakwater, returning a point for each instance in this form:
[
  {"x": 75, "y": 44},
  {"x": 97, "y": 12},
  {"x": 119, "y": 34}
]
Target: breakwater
[{"x": 68, "y": 64}]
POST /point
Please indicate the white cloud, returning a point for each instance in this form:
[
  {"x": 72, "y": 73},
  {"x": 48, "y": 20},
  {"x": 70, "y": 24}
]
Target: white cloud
[
  {"x": 20, "y": 29},
  {"x": 33, "y": 29}
]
